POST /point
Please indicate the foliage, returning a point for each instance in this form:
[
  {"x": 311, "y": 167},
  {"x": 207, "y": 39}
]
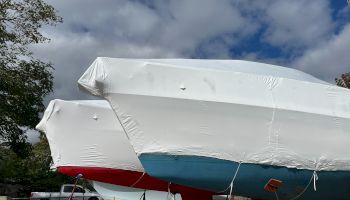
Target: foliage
[
  {"x": 24, "y": 80},
  {"x": 344, "y": 80},
  {"x": 20, "y": 23},
  {"x": 32, "y": 173}
]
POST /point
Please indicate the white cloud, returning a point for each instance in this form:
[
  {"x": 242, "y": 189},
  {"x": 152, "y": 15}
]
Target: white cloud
[
  {"x": 130, "y": 29},
  {"x": 178, "y": 28},
  {"x": 300, "y": 23},
  {"x": 194, "y": 22},
  {"x": 329, "y": 59}
]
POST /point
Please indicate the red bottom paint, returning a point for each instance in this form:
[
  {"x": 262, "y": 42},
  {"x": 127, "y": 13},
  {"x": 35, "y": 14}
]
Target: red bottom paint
[{"x": 134, "y": 179}]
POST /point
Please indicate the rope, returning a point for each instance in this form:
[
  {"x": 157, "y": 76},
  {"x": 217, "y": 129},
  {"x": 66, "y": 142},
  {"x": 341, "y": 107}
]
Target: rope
[
  {"x": 277, "y": 198},
  {"x": 138, "y": 180},
  {"x": 313, "y": 178},
  {"x": 75, "y": 186},
  {"x": 233, "y": 179},
  {"x": 170, "y": 196}
]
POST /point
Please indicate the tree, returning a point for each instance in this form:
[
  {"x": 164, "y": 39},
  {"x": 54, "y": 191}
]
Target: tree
[
  {"x": 344, "y": 80},
  {"x": 33, "y": 173},
  {"x": 24, "y": 80}
]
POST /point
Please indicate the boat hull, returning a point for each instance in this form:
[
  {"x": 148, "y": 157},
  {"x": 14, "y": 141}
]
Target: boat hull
[
  {"x": 231, "y": 110},
  {"x": 216, "y": 175},
  {"x": 134, "y": 180},
  {"x": 203, "y": 142},
  {"x": 234, "y": 111},
  {"x": 86, "y": 138},
  {"x": 236, "y": 132}
]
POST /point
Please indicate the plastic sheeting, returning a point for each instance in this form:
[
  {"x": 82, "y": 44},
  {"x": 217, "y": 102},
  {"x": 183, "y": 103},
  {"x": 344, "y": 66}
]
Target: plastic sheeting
[
  {"x": 85, "y": 133},
  {"x": 228, "y": 109},
  {"x": 114, "y": 192}
]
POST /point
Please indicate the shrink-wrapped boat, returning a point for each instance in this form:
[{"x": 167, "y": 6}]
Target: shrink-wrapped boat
[
  {"x": 86, "y": 138},
  {"x": 228, "y": 125}
]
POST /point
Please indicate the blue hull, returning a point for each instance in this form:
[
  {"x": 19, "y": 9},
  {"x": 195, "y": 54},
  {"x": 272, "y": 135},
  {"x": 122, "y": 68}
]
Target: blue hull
[{"x": 216, "y": 175}]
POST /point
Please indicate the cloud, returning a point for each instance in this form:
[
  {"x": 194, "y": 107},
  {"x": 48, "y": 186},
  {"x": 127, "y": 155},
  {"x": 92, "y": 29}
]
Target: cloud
[
  {"x": 124, "y": 28},
  {"x": 301, "y": 23},
  {"x": 181, "y": 28},
  {"x": 300, "y": 31},
  {"x": 329, "y": 59},
  {"x": 192, "y": 23}
]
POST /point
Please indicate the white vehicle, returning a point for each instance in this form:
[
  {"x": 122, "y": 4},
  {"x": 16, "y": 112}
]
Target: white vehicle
[{"x": 80, "y": 193}]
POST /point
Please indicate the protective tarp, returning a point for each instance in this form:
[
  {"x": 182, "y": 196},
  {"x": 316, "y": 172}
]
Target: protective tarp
[
  {"x": 85, "y": 134},
  {"x": 228, "y": 109}
]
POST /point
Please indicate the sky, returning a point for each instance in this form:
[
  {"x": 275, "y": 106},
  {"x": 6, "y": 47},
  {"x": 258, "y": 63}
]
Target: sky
[{"x": 310, "y": 35}]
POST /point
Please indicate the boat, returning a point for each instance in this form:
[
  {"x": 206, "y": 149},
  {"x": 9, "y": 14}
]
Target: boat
[
  {"x": 231, "y": 126},
  {"x": 84, "y": 138}
]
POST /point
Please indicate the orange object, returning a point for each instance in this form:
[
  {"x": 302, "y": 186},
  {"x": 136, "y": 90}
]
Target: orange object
[{"x": 273, "y": 185}]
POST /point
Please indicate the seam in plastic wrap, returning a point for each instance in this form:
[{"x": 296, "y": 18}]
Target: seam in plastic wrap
[
  {"x": 271, "y": 83},
  {"x": 127, "y": 123}
]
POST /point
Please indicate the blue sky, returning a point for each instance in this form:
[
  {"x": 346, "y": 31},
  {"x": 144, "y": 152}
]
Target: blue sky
[{"x": 309, "y": 35}]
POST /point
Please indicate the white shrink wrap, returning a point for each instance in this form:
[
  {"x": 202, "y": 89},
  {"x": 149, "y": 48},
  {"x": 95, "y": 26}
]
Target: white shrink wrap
[
  {"x": 85, "y": 134},
  {"x": 227, "y": 109}
]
